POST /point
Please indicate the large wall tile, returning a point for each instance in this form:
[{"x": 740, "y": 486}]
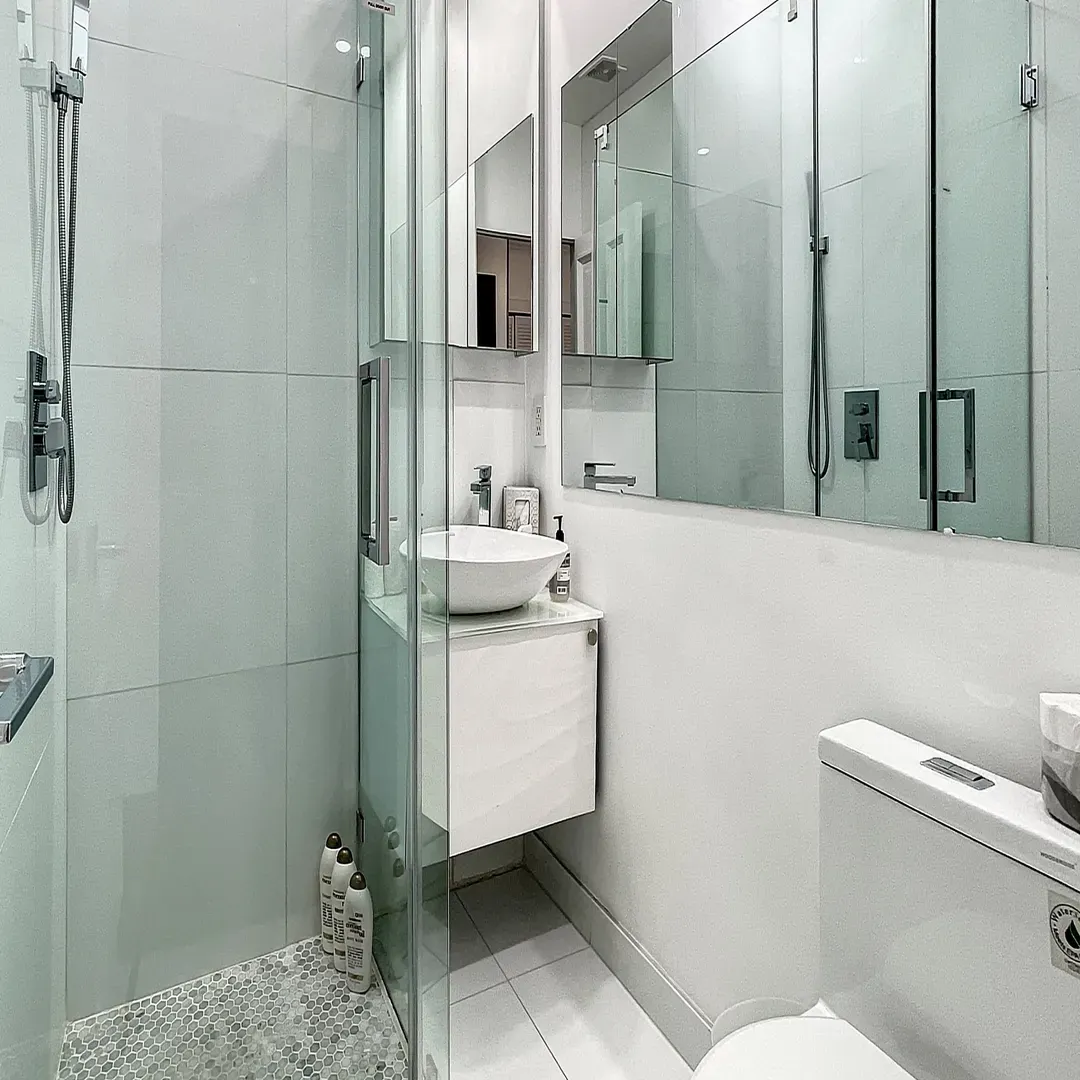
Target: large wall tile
[
  {"x": 1062, "y": 49},
  {"x": 1063, "y": 448},
  {"x": 177, "y": 555},
  {"x": 243, "y": 35},
  {"x": 182, "y": 231},
  {"x": 676, "y": 444},
  {"x": 322, "y": 292},
  {"x": 32, "y": 898},
  {"x": 842, "y": 92},
  {"x": 115, "y": 563},
  {"x": 1063, "y": 232},
  {"x": 314, "y": 60},
  {"x": 842, "y": 212},
  {"x": 322, "y": 540},
  {"x": 740, "y": 449},
  {"x": 738, "y": 293},
  {"x": 321, "y": 769},
  {"x": 894, "y": 274},
  {"x": 984, "y": 301},
  {"x": 177, "y": 831},
  {"x": 892, "y": 66}
]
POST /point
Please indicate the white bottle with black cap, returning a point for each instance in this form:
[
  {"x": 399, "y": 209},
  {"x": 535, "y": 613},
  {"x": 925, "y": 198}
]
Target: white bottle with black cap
[
  {"x": 359, "y": 923},
  {"x": 326, "y": 900},
  {"x": 344, "y": 868}
]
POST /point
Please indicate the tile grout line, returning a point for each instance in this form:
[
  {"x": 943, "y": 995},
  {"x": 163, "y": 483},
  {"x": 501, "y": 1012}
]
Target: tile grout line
[
  {"x": 212, "y": 675},
  {"x": 536, "y": 1028},
  {"x": 507, "y": 981}
]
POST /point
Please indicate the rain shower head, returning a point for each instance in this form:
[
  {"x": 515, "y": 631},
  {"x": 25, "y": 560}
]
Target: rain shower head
[{"x": 604, "y": 70}]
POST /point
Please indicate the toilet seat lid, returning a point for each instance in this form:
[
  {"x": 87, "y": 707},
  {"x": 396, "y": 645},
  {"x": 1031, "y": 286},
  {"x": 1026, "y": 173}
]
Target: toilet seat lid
[{"x": 798, "y": 1048}]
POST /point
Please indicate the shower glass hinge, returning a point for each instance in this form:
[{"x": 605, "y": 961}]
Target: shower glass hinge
[
  {"x": 1029, "y": 86},
  {"x": 361, "y": 66},
  {"x": 601, "y": 137},
  {"x": 821, "y": 245},
  {"x": 792, "y": 10}
]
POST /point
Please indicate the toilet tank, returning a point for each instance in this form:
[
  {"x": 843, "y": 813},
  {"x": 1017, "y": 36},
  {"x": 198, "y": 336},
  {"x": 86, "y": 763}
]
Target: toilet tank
[{"x": 950, "y": 908}]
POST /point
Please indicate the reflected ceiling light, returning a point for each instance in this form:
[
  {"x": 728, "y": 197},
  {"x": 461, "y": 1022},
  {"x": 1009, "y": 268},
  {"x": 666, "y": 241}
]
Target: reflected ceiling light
[
  {"x": 703, "y": 151},
  {"x": 342, "y": 46}
]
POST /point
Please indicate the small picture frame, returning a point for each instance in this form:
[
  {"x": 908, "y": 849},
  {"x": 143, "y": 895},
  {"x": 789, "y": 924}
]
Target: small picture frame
[{"x": 521, "y": 509}]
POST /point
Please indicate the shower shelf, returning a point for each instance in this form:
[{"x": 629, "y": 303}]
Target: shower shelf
[
  {"x": 20, "y": 687},
  {"x": 648, "y": 361}
]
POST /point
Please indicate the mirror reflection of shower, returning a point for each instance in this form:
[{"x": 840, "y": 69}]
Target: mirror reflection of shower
[{"x": 48, "y": 436}]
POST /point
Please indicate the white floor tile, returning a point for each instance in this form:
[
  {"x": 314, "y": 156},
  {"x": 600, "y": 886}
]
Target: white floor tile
[
  {"x": 519, "y": 923},
  {"x": 492, "y": 1038},
  {"x": 472, "y": 967},
  {"x": 593, "y": 1026}
]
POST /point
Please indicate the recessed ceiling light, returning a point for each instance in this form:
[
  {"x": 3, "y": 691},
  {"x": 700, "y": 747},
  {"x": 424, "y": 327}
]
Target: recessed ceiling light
[
  {"x": 704, "y": 151},
  {"x": 342, "y": 46}
]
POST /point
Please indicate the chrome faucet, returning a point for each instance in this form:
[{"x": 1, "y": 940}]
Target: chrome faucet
[
  {"x": 482, "y": 487},
  {"x": 592, "y": 478}
]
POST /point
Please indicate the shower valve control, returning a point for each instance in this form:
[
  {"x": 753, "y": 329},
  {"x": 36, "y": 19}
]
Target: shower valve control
[{"x": 861, "y": 425}]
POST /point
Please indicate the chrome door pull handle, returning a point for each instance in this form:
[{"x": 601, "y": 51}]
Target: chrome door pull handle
[
  {"x": 373, "y": 389},
  {"x": 968, "y": 398}
]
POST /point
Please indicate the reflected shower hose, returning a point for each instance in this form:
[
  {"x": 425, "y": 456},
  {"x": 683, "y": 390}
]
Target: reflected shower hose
[
  {"x": 66, "y": 199},
  {"x": 819, "y": 426}
]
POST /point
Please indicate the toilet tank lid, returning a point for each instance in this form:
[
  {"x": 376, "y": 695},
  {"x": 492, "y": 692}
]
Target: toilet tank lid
[
  {"x": 798, "y": 1048},
  {"x": 1003, "y": 816}
]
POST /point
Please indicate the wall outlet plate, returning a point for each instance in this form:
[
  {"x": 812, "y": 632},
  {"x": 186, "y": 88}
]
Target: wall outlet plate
[{"x": 537, "y": 422}]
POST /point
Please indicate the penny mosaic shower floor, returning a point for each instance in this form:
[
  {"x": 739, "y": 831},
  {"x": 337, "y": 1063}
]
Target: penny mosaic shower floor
[{"x": 286, "y": 1016}]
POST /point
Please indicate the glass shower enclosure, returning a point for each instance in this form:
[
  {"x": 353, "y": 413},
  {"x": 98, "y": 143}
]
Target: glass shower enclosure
[{"x": 240, "y": 659}]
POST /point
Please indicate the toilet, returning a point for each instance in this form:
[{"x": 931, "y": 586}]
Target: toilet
[{"x": 947, "y": 898}]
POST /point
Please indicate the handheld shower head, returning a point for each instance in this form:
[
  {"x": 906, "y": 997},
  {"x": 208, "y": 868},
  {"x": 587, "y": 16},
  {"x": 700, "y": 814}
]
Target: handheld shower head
[{"x": 80, "y": 35}]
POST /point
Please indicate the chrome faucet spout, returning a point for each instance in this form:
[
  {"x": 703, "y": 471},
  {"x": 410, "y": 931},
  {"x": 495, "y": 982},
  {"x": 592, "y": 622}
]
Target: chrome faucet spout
[
  {"x": 482, "y": 487},
  {"x": 592, "y": 477}
]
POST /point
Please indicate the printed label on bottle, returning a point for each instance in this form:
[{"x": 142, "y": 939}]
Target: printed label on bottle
[
  {"x": 339, "y": 922},
  {"x": 327, "y": 919}
]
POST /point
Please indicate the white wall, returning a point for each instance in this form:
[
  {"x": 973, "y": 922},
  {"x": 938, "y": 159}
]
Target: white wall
[
  {"x": 732, "y": 638},
  {"x": 212, "y": 557},
  {"x": 488, "y": 428},
  {"x": 505, "y": 184}
]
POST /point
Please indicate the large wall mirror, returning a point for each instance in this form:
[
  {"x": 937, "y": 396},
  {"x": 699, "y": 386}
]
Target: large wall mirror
[
  {"x": 490, "y": 197},
  {"x": 828, "y": 313},
  {"x": 493, "y": 94}
]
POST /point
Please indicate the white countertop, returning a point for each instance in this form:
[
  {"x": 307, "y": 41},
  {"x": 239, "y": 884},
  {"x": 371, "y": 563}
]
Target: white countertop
[{"x": 538, "y": 612}]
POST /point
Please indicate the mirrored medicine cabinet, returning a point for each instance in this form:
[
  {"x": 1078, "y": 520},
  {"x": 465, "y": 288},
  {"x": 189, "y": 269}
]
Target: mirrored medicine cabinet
[{"x": 804, "y": 268}]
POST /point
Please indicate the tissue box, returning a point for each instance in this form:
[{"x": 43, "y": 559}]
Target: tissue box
[
  {"x": 521, "y": 509},
  {"x": 1059, "y": 718}
]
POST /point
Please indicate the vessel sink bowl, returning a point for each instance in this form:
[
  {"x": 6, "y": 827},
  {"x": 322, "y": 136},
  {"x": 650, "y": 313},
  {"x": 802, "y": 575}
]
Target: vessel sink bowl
[{"x": 489, "y": 569}]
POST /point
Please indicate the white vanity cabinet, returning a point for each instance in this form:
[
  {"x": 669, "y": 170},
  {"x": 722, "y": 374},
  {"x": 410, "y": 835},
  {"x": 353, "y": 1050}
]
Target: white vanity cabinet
[{"x": 522, "y": 724}]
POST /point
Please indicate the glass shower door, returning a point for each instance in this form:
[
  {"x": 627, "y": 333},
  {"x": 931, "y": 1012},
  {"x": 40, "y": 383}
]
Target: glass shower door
[
  {"x": 982, "y": 226},
  {"x": 33, "y": 594},
  {"x": 403, "y": 435}
]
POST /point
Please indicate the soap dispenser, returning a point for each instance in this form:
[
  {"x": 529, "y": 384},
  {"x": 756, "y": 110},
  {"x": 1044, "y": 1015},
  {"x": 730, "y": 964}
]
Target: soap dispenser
[{"x": 559, "y": 586}]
